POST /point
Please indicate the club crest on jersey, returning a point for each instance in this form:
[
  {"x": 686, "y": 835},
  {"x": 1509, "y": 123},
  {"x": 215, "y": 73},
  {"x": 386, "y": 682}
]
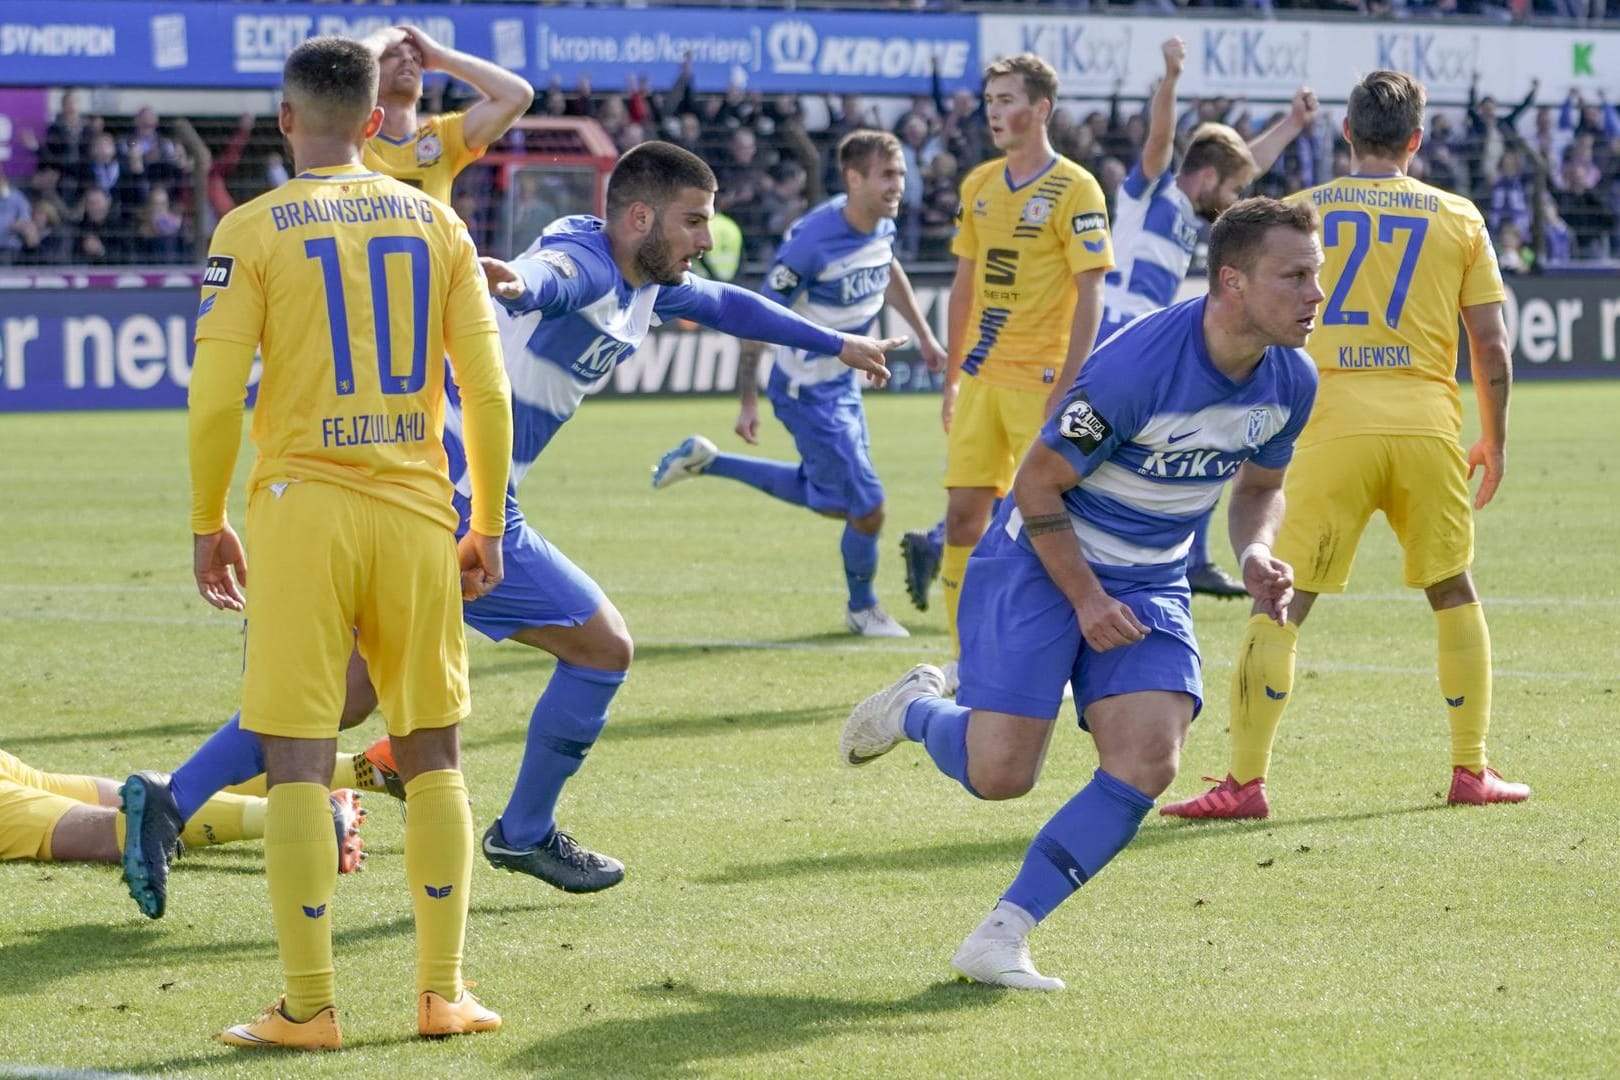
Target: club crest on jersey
[
  {"x": 217, "y": 274},
  {"x": 429, "y": 149},
  {"x": 1255, "y": 433},
  {"x": 565, "y": 266},
  {"x": 1084, "y": 223},
  {"x": 1083, "y": 425},
  {"x": 783, "y": 279},
  {"x": 1038, "y": 210}
]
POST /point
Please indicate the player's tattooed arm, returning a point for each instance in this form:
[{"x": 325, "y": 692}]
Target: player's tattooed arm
[{"x": 1046, "y": 523}]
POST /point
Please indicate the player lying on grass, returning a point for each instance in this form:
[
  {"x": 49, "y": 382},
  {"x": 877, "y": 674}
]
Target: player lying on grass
[
  {"x": 63, "y": 817},
  {"x": 578, "y": 302}
]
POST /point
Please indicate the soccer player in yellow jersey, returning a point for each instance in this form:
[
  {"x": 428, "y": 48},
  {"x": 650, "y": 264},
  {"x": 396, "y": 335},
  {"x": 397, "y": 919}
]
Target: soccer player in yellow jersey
[
  {"x": 429, "y": 152},
  {"x": 64, "y": 817},
  {"x": 1032, "y": 247},
  {"x": 352, "y": 286},
  {"x": 1404, "y": 260}
]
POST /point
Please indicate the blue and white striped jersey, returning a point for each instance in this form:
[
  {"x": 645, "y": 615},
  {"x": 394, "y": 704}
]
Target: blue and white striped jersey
[
  {"x": 834, "y": 275},
  {"x": 577, "y": 319},
  {"x": 1155, "y": 230},
  {"x": 1155, "y": 430}
]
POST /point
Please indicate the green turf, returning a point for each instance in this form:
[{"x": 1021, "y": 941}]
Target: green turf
[{"x": 787, "y": 916}]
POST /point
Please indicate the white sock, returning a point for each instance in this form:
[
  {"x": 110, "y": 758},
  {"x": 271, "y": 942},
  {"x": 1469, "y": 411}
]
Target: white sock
[{"x": 1008, "y": 921}]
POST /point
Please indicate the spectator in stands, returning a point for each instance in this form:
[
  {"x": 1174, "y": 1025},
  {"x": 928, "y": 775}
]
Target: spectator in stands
[
  {"x": 963, "y": 132},
  {"x": 122, "y": 181},
  {"x": 1444, "y": 170},
  {"x": 1549, "y": 138},
  {"x": 918, "y": 150},
  {"x": 47, "y": 243},
  {"x": 97, "y": 237},
  {"x": 743, "y": 185},
  {"x": 791, "y": 141},
  {"x": 1580, "y": 202},
  {"x": 1489, "y": 132},
  {"x": 1580, "y": 117},
  {"x": 788, "y": 200},
  {"x": 689, "y": 134},
  {"x": 45, "y": 186},
  {"x": 160, "y": 159},
  {"x": 631, "y": 134},
  {"x": 1509, "y": 201},
  {"x": 1557, "y": 240},
  {"x": 157, "y": 231},
  {"x": 16, "y": 222},
  {"x": 1511, "y": 253},
  {"x": 941, "y": 198}
]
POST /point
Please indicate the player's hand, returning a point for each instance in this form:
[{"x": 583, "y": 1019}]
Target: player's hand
[
  {"x": 1107, "y": 624},
  {"x": 747, "y": 424},
  {"x": 933, "y": 353},
  {"x": 866, "y": 354},
  {"x": 1305, "y": 107},
  {"x": 947, "y": 404},
  {"x": 1493, "y": 459},
  {"x": 1271, "y": 582},
  {"x": 504, "y": 282},
  {"x": 220, "y": 566},
  {"x": 1175, "y": 56},
  {"x": 482, "y": 566},
  {"x": 431, "y": 51}
]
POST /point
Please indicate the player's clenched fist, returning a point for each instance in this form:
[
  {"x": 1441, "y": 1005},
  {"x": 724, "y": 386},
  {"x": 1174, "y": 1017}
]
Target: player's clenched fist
[{"x": 482, "y": 566}]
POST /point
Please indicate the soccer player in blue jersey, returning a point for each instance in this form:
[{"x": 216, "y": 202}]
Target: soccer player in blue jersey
[
  {"x": 578, "y": 302},
  {"x": 1082, "y": 576},
  {"x": 836, "y": 266}
]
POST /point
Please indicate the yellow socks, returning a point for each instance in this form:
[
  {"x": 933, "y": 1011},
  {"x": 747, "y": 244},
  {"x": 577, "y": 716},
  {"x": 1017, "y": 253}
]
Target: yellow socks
[
  {"x": 1261, "y": 683},
  {"x": 300, "y": 863},
  {"x": 438, "y": 866},
  {"x": 1465, "y": 680},
  {"x": 342, "y": 777},
  {"x": 952, "y": 566},
  {"x": 225, "y": 819}
]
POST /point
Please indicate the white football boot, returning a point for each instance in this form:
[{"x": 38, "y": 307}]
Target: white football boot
[
  {"x": 1000, "y": 961},
  {"x": 877, "y": 725},
  {"x": 874, "y": 622},
  {"x": 692, "y": 458}
]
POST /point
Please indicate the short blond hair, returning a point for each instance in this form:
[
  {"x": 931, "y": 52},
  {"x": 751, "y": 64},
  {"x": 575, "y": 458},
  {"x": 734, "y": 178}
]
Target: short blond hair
[
  {"x": 1040, "y": 78},
  {"x": 1220, "y": 146}
]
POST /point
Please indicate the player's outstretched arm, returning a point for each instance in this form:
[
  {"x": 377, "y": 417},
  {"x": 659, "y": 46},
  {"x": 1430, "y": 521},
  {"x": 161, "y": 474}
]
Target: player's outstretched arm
[
  {"x": 1160, "y": 144},
  {"x": 1268, "y": 146},
  {"x": 1038, "y": 490},
  {"x": 1490, "y": 358},
  {"x": 552, "y": 282},
  {"x": 900, "y": 296},
  {"x": 506, "y": 94},
  {"x": 1253, "y": 517},
  {"x": 214, "y": 432}
]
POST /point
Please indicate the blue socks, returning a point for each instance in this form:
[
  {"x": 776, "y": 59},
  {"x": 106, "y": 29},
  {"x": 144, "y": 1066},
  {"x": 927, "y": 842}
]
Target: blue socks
[
  {"x": 230, "y": 756},
  {"x": 860, "y": 552},
  {"x": 566, "y": 721},
  {"x": 781, "y": 479},
  {"x": 940, "y": 724},
  {"x": 1199, "y": 555},
  {"x": 1079, "y": 840}
]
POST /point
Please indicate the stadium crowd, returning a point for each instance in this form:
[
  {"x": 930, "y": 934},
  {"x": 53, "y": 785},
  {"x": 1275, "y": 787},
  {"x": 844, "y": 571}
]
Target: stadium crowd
[{"x": 146, "y": 190}]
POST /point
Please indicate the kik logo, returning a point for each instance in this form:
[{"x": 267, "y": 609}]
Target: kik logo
[
  {"x": 1456, "y": 702},
  {"x": 315, "y": 912},
  {"x": 440, "y": 893},
  {"x": 1276, "y": 695}
]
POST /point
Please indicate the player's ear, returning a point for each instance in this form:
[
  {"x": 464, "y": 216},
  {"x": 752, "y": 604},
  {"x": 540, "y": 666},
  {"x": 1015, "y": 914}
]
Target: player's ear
[
  {"x": 1415, "y": 141},
  {"x": 374, "y": 122},
  {"x": 284, "y": 117}
]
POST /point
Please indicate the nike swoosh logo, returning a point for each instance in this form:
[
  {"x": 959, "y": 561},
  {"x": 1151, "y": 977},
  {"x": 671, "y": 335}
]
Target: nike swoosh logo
[
  {"x": 498, "y": 850},
  {"x": 1184, "y": 435}
]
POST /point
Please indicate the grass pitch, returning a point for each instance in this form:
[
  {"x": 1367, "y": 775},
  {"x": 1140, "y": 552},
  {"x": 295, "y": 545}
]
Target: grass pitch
[{"x": 785, "y": 915}]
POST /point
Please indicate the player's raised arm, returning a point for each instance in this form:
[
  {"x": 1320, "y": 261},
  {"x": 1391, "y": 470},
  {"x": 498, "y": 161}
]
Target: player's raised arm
[
  {"x": 1253, "y": 516},
  {"x": 506, "y": 94},
  {"x": 1490, "y": 359},
  {"x": 553, "y": 281},
  {"x": 1268, "y": 146},
  {"x": 900, "y": 296},
  {"x": 1160, "y": 144}
]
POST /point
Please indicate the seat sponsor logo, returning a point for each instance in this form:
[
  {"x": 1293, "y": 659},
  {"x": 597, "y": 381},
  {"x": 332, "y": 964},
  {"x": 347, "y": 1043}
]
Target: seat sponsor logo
[{"x": 1000, "y": 266}]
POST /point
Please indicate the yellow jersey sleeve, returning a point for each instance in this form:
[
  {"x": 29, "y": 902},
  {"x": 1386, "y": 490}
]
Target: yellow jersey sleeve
[
  {"x": 1028, "y": 242},
  {"x": 429, "y": 159},
  {"x": 473, "y": 341},
  {"x": 1402, "y": 259},
  {"x": 232, "y": 307}
]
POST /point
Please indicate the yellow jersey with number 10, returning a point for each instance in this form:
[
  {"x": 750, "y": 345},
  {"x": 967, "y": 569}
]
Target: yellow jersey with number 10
[
  {"x": 352, "y": 284},
  {"x": 430, "y": 158},
  {"x": 1027, "y": 243},
  {"x": 1402, "y": 259}
]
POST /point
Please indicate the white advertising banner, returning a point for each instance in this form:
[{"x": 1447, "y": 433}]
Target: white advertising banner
[{"x": 1269, "y": 59}]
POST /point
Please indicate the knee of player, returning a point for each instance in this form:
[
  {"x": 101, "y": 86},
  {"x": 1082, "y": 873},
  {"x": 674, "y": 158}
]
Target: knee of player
[
  {"x": 871, "y": 524},
  {"x": 1002, "y": 781},
  {"x": 616, "y": 650},
  {"x": 1151, "y": 770}
]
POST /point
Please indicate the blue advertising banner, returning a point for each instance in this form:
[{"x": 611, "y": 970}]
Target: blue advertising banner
[{"x": 244, "y": 44}]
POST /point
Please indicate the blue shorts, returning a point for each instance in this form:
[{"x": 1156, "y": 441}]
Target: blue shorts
[
  {"x": 541, "y": 588},
  {"x": 1021, "y": 640},
  {"x": 834, "y": 453}
]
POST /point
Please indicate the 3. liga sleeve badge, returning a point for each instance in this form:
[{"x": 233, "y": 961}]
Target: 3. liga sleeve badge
[{"x": 1083, "y": 425}]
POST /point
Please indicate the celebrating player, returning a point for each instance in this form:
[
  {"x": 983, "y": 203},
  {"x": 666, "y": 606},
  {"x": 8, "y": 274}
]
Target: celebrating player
[
  {"x": 836, "y": 266},
  {"x": 1157, "y": 222},
  {"x": 1081, "y": 578},
  {"x": 349, "y": 517},
  {"x": 1031, "y": 248},
  {"x": 1404, "y": 261},
  {"x": 428, "y": 153}
]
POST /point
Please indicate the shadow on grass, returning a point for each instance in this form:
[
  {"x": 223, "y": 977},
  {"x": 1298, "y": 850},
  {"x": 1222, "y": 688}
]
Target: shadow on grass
[
  {"x": 711, "y": 1026},
  {"x": 197, "y": 727},
  {"x": 481, "y": 735},
  {"x": 1009, "y": 850},
  {"x": 523, "y": 658}
]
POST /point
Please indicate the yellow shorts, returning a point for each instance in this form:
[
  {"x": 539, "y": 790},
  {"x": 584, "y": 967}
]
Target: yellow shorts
[
  {"x": 73, "y": 786},
  {"x": 28, "y": 817},
  {"x": 990, "y": 434},
  {"x": 329, "y": 568},
  {"x": 1420, "y": 482}
]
